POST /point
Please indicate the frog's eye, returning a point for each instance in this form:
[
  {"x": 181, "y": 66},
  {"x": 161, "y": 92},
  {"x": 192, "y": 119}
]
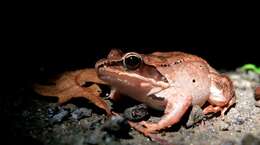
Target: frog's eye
[{"x": 132, "y": 61}]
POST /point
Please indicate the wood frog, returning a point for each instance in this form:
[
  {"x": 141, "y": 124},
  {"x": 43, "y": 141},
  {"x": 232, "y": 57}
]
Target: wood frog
[{"x": 167, "y": 81}]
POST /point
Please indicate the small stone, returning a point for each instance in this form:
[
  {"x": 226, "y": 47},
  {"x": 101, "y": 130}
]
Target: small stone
[
  {"x": 99, "y": 137},
  {"x": 96, "y": 124},
  {"x": 81, "y": 113},
  {"x": 106, "y": 134},
  {"x": 195, "y": 116},
  {"x": 250, "y": 75},
  {"x": 116, "y": 124},
  {"x": 136, "y": 113},
  {"x": 223, "y": 126},
  {"x": 53, "y": 110},
  {"x": 235, "y": 76},
  {"x": 59, "y": 117},
  {"x": 237, "y": 129},
  {"x": 239, "y": 120},
  {"x": 70, "y": 107}
]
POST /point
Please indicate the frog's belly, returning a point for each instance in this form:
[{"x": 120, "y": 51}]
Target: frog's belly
[
  {"x": 156, "y": 103},
  {"x": 198, "y": 98},
  {"x": 152, "y": 101}
]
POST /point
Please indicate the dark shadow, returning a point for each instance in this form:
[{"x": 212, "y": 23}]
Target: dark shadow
[{"x": 123, "y": 103}]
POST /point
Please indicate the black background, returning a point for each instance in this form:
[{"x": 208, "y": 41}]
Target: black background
[
  {"x": 32, "y": 55},
  {"x": 40, "y": 41}
]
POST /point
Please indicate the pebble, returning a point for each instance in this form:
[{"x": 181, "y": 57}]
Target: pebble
[
  {"x": 223, "y": 126},
  {"x": 238, "y": 129},
  {"x": 70, "y": 107},
  {"x": 96, "y": 123},
  {"x": 53, "y": 110},
  {"x": 108, "y": 133},
  {"x": 59, "y": 117},
  {"x": 251, "y": 76},
  {"x": 102, "y": 138},
  {"x": 239, "y": 120},
  {"x": 117, "y": 124},
  {"x": 58, "y": 114},
  {"x": 85, "y": 123},
  {"x": 136, "y": 113},
  {"x": 81, "y": 113},
  {"x": 195, "y": 116}
]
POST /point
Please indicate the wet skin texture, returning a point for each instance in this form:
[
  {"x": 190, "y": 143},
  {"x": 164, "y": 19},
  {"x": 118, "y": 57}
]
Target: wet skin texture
[{"x": 168, "y": 81}]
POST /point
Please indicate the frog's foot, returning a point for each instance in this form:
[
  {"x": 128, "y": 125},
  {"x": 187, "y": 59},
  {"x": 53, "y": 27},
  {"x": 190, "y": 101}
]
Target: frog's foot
[
  {"x": 144, "y": 127},
  {"x": 150, "y": 127},
  {"x": 211, "y": 109},
  {"x": 139, "y": 126},
  {"x": 215, "y": 109},
  {"x": 176, "y": 107}
]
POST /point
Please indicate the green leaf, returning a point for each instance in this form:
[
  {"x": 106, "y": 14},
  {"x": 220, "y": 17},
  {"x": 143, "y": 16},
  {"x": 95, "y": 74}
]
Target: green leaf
[{"x": 251, "y": 67}]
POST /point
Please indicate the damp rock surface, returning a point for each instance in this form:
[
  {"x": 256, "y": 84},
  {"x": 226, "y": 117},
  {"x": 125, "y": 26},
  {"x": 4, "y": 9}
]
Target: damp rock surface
[{"x": 37, "y": 120}]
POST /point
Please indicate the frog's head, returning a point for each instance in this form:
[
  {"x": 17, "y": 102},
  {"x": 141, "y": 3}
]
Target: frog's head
[{"x": 130, "y": 73}]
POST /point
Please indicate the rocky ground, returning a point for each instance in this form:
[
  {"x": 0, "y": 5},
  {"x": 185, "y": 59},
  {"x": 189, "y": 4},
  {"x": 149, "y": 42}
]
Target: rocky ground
[{"x": 34, "y": 119}]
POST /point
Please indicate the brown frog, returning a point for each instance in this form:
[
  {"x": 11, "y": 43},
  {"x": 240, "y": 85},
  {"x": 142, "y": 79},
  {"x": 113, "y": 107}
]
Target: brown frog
[{"x": 168, "y": 81}]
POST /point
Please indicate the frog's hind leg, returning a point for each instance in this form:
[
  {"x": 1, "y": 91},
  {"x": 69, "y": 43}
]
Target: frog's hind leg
[
  {"x": 176, "y": 107},
  {"x": 215, "y": 109},
  {"x": 222, "y": 95}
]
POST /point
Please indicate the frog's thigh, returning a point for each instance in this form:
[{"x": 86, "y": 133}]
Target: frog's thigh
[
  {"x": 216, "y": 99},
  {"x": 221, "y": 90},
  {"x": 175, "y": 109},
  {"x": 221, "y": 95}
]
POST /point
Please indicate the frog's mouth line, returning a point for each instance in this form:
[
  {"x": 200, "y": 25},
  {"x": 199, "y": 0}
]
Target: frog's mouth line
[
  {"x": 103, "y": 68},
  {"x": 105, "y": 63}
]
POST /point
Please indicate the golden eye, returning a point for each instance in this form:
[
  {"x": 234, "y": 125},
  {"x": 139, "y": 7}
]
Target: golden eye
[{"x": 132, "y": 61}]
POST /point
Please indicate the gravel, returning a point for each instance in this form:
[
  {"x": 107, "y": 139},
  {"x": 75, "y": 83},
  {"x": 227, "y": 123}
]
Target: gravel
[{"x": 36, "y": 119}]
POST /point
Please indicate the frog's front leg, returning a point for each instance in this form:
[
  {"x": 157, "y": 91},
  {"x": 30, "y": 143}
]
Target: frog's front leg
[{"x": 175, "y": 109}]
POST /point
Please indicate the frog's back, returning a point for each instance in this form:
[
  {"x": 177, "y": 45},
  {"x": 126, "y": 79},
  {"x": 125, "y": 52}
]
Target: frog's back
[
  {"x": 176, "y": 57},
  {"x": 188, "y": 74}
]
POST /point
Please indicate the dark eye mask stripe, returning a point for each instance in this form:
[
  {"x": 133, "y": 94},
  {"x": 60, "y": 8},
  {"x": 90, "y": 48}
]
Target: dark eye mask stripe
[{"x": 110, "y": 63}]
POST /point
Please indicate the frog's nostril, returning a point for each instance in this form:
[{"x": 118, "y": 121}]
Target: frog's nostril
[{"x": 193, "y": 80}]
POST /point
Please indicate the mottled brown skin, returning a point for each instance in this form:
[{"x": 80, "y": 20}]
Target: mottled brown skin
[{"x": 169, "y": 81}]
